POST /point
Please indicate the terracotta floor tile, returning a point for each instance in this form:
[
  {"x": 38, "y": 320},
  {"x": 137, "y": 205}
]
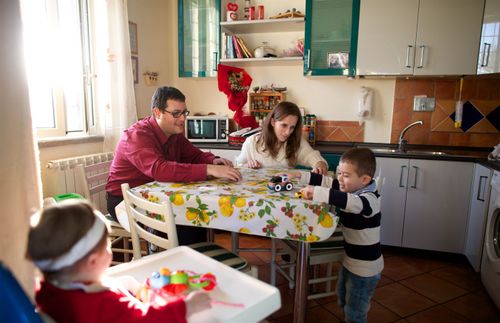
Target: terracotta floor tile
[
  {"x": 384, "y": 280},
  {"x": 397, "y": 268},
  {"x": 432, "y": 287},
  {"x": 460, "y": 275},
  {"x": 380, "y": 314},
  {"x": 333, "y": 308},
  {"x": 475, "y": 307},
  {"x": 401, "y": 300},
  {"x": 437, "y": 314}
]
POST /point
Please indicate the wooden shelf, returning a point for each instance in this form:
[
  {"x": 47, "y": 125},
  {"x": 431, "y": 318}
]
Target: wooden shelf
[
  {"x": 264, "y": 60},
  {"x": 263, "y": 26}
]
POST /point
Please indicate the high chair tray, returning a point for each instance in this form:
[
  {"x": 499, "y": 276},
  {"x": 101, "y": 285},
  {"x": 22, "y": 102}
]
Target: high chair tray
[{"x": 259, "y": 299}]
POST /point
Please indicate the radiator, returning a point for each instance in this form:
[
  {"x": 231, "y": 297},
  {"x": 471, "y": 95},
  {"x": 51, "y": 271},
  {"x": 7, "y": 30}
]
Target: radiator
[{"x": 61, "y": 176}]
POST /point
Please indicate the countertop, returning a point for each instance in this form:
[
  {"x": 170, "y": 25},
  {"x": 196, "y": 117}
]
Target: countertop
[{"x": 467, "y": 154}]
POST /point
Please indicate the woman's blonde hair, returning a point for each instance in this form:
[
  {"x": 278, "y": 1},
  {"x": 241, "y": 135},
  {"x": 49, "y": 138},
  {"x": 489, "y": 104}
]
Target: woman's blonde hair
[
  {"x": 268, "y": 140},
  {"x": 60, "y": 227}
]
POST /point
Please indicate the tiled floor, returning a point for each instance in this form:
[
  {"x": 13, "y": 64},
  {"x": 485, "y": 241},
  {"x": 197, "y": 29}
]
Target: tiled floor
[{"x": 416, "y": 286}]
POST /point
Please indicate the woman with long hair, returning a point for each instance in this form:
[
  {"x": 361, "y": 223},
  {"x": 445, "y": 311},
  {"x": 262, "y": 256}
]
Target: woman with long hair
[{"x": 280, "y": 144}]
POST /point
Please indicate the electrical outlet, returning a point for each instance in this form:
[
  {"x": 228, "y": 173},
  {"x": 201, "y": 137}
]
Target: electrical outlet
[{"x": 423, "y": 104}]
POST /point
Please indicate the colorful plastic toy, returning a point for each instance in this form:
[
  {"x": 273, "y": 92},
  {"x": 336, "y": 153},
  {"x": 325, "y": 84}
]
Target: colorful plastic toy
[
  {"x": 280, "y": 182},
  {"x": 165, "y": 283}
]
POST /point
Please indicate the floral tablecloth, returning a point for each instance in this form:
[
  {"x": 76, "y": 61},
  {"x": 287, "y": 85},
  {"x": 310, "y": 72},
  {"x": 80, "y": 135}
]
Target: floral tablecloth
[{"x": 248, "y": 206}]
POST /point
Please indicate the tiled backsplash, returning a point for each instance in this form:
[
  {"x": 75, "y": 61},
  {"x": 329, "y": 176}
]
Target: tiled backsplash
[
  {"x": 339, "y": 131},
  {"x": 481, "y": 118}
]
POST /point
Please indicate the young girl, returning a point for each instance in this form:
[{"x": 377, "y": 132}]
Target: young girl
[
  {"x": 70, "y": 246},
  {"x": 280, "y": 144}
]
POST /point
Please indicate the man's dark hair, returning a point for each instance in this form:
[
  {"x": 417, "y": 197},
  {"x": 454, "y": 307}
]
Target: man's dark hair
[
  {"x": 363, "y": 159},
  {"x": 162, "y": 94}
]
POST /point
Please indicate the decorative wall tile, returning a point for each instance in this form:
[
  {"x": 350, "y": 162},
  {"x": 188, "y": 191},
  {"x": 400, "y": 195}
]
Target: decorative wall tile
[
  {"x": 470, "y": 116},
  {"x": 347, "y": 131},
  {"x": 494, "y": 118}
]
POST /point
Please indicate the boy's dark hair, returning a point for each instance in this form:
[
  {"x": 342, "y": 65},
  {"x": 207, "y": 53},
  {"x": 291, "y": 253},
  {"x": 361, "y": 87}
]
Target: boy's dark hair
[
  {"x": 363, "y": 159},
  {"x": 164, "y": 93}
]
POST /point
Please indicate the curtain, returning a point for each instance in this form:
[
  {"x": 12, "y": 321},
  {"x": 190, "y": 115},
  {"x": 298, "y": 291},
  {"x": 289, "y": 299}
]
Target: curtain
[
  {"x": 20, "y": 174},
  {"x": 115, "y": 82}
]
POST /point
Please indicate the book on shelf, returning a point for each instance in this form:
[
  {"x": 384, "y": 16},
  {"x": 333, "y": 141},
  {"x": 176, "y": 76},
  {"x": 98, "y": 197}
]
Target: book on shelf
[
  {"x": 244, "y": 48},
  {"x": 224, "y": 45},
  {"x": 237, "y": 48},
  {"x": 230, "y": 47}
]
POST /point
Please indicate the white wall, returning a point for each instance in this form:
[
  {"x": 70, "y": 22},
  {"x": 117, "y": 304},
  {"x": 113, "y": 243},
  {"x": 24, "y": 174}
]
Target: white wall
[{"x": 330, "y": 98}]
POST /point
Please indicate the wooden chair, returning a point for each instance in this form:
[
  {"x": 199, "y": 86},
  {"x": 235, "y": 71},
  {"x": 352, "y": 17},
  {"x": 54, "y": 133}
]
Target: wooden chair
[
  {"x": 325, "y": 253},
  {"x": 159, "y": 216},
  {"x": 92, "y": 183}
]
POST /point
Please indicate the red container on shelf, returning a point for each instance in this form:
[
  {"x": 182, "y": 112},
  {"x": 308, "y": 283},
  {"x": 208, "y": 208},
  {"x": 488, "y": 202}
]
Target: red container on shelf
[
  {"x": 251, "y": 13},
  {"x": 260, "y": 13}
]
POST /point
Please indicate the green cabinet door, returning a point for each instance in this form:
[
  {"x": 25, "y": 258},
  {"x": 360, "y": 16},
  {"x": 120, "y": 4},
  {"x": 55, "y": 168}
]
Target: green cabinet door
[
  {"x": 331, "y": 37},
  {"x": 199, "y": 37}
]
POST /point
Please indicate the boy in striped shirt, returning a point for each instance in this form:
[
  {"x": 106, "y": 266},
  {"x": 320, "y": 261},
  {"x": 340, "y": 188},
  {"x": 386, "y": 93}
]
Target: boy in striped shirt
[{"x": 354, "y": 194}]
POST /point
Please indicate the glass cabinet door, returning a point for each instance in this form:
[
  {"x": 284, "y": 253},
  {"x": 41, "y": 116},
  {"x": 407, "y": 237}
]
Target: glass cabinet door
[
  {"x": 331, "y": 37},
  {"x": 198, "y": 37}
]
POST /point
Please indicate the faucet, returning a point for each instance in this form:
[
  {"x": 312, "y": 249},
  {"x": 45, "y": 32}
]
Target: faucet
[{"x": 402, "y": 142}]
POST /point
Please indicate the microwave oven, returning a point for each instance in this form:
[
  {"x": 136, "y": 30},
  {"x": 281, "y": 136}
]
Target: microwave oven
[{"x": 207, "y": 128}]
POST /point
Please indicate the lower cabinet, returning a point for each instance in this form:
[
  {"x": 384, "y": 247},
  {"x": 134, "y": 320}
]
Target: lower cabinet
[{"x": 424, "y": 203}]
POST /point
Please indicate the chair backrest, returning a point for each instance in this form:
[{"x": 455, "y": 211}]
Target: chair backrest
[
  {"x": 143, "y": 213},
  {"x": 15, "y": 306},
  {"x": 92, "y": 179}
]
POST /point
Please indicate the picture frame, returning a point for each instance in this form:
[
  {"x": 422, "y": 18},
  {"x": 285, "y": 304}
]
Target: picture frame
[
  {"x": 338, "y": 60},
  {"x": 135, "y": 69},
  {"x": 132, "y": 30}
]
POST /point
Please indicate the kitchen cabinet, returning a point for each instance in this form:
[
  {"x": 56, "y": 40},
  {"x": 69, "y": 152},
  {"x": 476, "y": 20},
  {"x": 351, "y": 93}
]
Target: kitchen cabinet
[
  {"x": 331, "y": 37},
  {"x": 424, "y": 203},
  {"x": 489, "y": 51},
  {"x": 262, "y": 103},
  {"x": 478, "y": 212},
  {"x": 198, "y": 37},
  {"x": 279, "y": 34},
  {"x": 419, "y": 37}
]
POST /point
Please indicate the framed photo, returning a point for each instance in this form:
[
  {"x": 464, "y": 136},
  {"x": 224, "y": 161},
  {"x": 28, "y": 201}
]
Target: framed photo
[
  {"x": 338, "y": 60},
  {"x": 132, "y": 30},
  {"x": 135, "y": 69}
]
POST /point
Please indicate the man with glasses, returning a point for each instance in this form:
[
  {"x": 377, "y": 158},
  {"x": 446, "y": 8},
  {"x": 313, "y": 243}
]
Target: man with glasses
[{"x": 155, "y": 149}]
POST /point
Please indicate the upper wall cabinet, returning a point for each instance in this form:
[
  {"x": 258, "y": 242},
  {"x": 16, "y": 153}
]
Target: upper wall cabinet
[
  {"x": 489, "y": 53},
  {"x": 198, "y": 37},
  {"x": 331, "y": 37},
  {"x": 419, "y": 37}
]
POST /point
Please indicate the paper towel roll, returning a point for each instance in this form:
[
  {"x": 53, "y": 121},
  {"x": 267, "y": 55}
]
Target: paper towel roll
[{"x": 365, "y": 104}]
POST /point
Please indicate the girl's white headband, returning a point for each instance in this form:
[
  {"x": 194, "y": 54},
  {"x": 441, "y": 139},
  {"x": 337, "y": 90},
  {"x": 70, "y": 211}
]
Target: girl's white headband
[{"x": 79, "y": 250}]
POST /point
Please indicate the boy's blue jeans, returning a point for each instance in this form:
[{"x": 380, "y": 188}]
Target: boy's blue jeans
[{"x": 354, "y": 294}]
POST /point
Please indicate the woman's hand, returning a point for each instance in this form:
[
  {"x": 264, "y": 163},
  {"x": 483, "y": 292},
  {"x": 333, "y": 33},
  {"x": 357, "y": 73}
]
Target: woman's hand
[
  {"x": 222, "y": 161},
  {"x": 307, "y": 192},
  {"x": 320, "y": 168},
  {"x": 253, "y": 164}
]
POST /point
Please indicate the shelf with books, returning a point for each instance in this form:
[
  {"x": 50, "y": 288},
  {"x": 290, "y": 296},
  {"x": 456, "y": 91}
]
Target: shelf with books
[{"x": 293, "y": 59}]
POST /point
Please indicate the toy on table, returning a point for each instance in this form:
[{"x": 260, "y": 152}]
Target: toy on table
[
  {"x": 299, "y": 195},
  {"x": 165, "y": 284},
  {"x": 280, "y": 182}
]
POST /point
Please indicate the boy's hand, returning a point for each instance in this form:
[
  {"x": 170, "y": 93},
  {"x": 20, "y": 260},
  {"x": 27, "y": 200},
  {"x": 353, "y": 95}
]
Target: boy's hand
[
  {"x": 196, "y": 302},
  {"x": 307, "y": 192},
  {"x": 320, "y": 168}
]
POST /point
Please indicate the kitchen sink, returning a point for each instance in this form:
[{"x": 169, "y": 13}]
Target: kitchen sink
[{"x": 410, "y": 152}]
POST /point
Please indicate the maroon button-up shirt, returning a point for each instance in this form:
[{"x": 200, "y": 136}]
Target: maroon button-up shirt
[{"x": 145, "y": 154}]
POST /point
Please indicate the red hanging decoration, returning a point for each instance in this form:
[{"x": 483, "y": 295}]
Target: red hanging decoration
[{"x": 235, "y": 82}]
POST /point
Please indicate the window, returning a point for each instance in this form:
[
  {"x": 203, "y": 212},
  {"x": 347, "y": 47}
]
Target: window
[{"x": 59, "y": 66}]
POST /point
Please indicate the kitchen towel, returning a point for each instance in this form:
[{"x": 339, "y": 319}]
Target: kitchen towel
[{"x": 365, "y": 104}]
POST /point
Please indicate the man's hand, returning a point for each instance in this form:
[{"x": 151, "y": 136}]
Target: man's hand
[
  {"x": 253, "y": 164},
  {"x": 307, "y": 192},
  {"x": 222, "y": 161},
  {"x": 224, "y": 171},
  {"x": 320, "y": 168}
]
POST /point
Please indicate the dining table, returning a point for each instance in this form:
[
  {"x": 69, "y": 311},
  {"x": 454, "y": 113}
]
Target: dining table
[{"x": 248, "y": 206}]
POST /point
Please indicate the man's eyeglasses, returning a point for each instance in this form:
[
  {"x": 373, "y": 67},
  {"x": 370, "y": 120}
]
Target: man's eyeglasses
[{"x": 178, "y": 114}]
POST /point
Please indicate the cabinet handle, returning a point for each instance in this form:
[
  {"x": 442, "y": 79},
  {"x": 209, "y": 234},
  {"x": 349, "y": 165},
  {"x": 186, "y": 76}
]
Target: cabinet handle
[
  {"x": 216, "y": 54},
  {"x": 422, "y": 52},
  {"x": 415, "y": 178},
  {"x": 401, "y": 176},
  {"x": 408, "y": 52},
  {"x": 479, "y": 188},
  {"x": 486, "y": 55}
]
